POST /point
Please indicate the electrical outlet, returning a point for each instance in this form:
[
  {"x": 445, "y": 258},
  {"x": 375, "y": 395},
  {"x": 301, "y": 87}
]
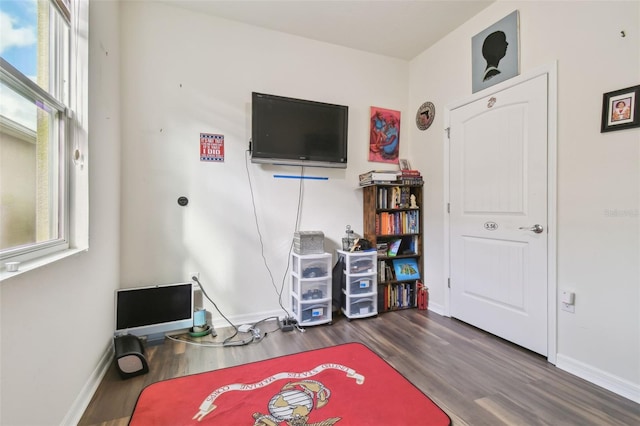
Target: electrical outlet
[{"x": 194, "y": 274}]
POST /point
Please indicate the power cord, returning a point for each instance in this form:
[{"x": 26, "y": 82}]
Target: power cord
[
  {"x": 235, "y": 329},
  {"x": 256, "y": 335},
  {"x": 288, "y": 318}
]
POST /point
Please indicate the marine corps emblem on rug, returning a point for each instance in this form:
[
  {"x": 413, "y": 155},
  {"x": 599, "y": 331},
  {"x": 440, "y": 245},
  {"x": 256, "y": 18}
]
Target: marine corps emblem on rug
[{"x": 341, "y": 385}]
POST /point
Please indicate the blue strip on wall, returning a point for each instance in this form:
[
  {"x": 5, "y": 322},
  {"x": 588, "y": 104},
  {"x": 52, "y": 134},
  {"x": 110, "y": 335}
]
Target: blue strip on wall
[{"x": 300, "y": 177}]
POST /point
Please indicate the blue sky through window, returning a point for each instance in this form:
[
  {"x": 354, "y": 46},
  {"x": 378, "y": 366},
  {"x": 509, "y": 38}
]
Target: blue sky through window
[
  {"x": 18, "y": 46},
  {"x": 18, "y": 34}
]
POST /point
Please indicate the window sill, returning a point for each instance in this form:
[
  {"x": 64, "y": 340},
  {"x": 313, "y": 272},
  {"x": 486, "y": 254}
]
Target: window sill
[{"x": 39, "y": 262}]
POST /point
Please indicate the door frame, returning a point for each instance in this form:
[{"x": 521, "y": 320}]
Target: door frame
[{"x": 551, "y": 70}]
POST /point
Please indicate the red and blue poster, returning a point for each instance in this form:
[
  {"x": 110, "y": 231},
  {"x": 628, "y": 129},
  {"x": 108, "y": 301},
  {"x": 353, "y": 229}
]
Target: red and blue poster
[
  {"x": 211, "y": 147},
  {"x": 384, "y": 141}
]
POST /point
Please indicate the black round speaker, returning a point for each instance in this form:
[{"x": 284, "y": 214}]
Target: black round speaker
[{"x": 129, "y": 359}]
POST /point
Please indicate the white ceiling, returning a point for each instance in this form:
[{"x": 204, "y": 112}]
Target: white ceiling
[{"x": 396, "y": 28}]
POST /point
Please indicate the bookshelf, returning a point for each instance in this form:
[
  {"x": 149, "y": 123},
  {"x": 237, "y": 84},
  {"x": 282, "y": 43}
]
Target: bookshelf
[{"x": 393, "y": 223}]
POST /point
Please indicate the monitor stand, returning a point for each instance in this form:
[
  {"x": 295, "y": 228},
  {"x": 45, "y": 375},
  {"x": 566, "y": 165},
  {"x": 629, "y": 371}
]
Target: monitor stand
[{"x": 155, "y": 339}]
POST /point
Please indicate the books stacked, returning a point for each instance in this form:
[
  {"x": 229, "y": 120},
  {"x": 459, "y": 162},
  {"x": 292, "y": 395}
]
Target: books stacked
[
  {"x": 375, "y": 177},
  {"x": 394, "y": 297},
  {"x": 410, "y": 177},
  {"x": 404, "y": 222}
]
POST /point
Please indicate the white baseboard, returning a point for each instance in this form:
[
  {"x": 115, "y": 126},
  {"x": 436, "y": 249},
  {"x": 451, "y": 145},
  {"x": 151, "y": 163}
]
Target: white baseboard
[
  {"x": 238, "y": 320},
  {"x": 434, "y": 307},
  {"x": 84, "y": 397},
  {"x": 601, "y": 378}
]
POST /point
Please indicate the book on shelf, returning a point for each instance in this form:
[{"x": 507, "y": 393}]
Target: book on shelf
[
  {"x": 410, "y": 181},
  {"x": 400, "y": 222},
  {"x": 385, "y": 272},
  {"x": 410, "y": 177},
  {"x": 382, "y": 248},
  {"x": 413, "y": 173},
  {"x": 394, "y": 246},
  {"x": 379, "y": 175},
  {"x": 377, "y": 182},
  {"x": 405, "y": 197}
]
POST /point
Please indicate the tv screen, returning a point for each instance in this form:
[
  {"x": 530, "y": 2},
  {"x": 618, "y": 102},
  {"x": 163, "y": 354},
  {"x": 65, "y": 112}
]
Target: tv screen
[
  {"x": 154, "y": 310},
  {"x": 292, "y": 131}
]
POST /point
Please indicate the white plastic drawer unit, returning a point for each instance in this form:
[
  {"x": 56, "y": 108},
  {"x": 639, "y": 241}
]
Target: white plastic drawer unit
[
  {"x": 311, "y": 279},
  {"x": 359, "y": 298}
]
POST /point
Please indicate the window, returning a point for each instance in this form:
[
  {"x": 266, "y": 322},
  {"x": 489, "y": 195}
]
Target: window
[{"x": 35, "y": 138}]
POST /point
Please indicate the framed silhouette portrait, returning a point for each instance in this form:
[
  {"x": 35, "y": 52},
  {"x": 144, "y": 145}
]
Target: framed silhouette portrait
[
  {"x": 620, "y": 109},
  {"x": 495, "y": 55}
]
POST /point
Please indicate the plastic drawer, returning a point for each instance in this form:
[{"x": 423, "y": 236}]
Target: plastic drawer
[
  {"x": 361, "y": 263},
  {"x": 362, "y": 284},
  {"x": 314, "y": 312},
  {"x": 311, "y": 265},
  {"x": 363, "y": 306},
  {"x": 317, "y": 288}
]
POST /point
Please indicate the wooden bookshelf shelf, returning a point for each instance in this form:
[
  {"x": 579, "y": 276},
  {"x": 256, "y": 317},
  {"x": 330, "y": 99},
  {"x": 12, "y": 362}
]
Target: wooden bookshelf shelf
[{"x": 393, "y": 222}]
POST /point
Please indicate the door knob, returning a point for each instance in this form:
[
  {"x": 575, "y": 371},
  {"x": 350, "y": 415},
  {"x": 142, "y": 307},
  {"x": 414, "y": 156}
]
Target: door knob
[{"x": 535, "y": 228}]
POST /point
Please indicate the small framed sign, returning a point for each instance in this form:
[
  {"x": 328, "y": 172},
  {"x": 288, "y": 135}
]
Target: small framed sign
[
  {"x": 404, "y": 164},
  {"x": 211, "y": 147},
  {"x": 620, "y": 109}
]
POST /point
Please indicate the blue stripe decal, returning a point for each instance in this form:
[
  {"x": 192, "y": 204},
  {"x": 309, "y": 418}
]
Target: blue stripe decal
[{"x": 300, "y": 177}]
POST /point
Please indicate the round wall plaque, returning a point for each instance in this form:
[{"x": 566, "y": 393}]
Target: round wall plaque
[{"x": 425, "y": 115}]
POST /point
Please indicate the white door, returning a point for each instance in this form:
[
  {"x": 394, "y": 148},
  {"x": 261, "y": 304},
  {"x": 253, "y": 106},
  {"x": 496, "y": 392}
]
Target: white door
[{"x": 498, "y": 214}]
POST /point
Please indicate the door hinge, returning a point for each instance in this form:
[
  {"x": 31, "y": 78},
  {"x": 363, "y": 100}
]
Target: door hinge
[
  {"x": 448, "y": 129},
  {"x": 448, "y": 207},
  {"x": 448, "y": 282}
]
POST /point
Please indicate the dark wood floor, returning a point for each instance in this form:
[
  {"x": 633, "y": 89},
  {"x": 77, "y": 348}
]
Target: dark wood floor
[{"x": 475, "y": 377}]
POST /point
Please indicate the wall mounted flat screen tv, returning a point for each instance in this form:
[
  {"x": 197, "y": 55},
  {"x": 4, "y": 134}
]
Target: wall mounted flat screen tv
[
  {"x": 298, "y": 132},
  {"x": 154, "y": 310}
]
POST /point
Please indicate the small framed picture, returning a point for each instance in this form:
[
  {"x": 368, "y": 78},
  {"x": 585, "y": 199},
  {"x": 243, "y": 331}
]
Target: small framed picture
[
  {"x": 404, "y": 164},
  {"x": 620, "y": 109}
]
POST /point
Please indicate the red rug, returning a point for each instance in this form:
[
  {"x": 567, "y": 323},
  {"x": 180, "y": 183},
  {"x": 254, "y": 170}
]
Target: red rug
[{"x": 346, "y": 385}]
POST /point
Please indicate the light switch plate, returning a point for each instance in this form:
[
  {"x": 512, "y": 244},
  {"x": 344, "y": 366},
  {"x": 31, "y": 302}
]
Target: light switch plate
[{"x": 567, "y": 297}]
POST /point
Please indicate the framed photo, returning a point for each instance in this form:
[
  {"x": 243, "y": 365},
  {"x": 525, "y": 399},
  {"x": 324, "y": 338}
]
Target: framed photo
[
  {"x": 406, "y": 269},
  {"x": 495, "y": 55},
  {"x": 404, "y": 164},
  {"x": 620, "y": 109}
]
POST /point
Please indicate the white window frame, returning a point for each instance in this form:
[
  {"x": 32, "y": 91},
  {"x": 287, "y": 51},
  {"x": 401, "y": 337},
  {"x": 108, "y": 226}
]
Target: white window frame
[{"x": 72, "y": 202}]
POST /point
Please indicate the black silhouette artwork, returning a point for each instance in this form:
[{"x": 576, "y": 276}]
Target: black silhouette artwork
[
  {"x": 494, "y": 53},
  {"x": 494, "y": 49}
]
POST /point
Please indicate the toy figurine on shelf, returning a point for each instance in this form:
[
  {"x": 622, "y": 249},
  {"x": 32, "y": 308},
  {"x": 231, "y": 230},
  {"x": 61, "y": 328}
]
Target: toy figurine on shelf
[{"x": 413, "y": 204}]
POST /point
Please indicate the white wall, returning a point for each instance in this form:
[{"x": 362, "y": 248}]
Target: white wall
[
  {"x": 184, "y": 73},
  {"x": 57, "y": 321},
  {"x": 598, "y": 174}
]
